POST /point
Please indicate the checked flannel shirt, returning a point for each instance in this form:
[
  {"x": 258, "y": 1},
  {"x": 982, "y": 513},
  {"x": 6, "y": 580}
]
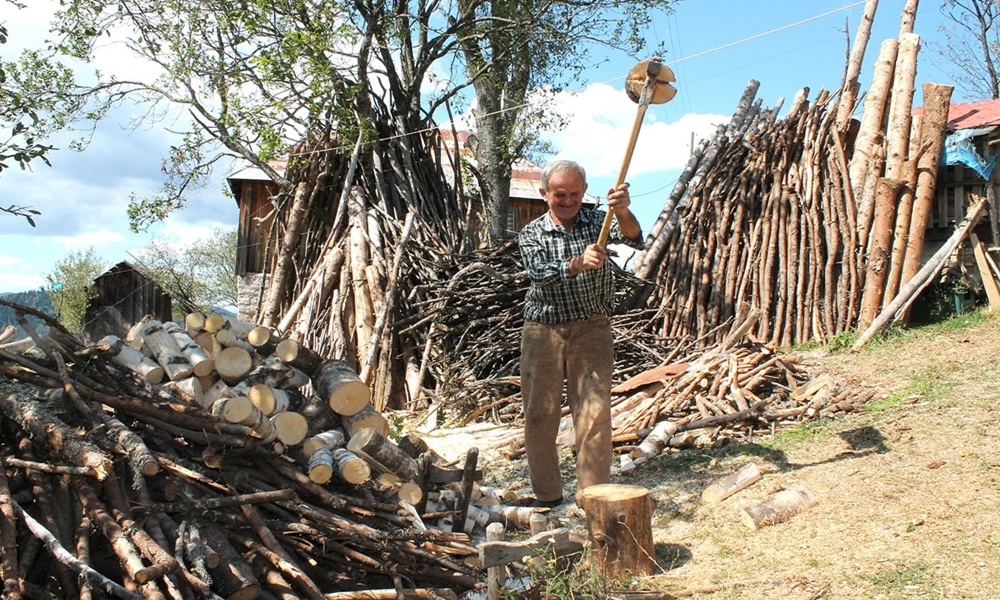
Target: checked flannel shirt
[{"x": 546, "y": 249}]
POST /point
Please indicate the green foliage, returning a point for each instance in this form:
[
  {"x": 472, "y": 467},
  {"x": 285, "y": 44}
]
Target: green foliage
[
  {"x": 71, "y": 287},
  {"x": 202, "y": 276},
  {"x": 553, "y": 579},
  {"x": 36, "y": 100}
]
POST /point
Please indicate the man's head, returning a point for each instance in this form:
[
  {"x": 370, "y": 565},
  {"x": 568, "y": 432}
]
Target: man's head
[{"x": 564, "y": 184}]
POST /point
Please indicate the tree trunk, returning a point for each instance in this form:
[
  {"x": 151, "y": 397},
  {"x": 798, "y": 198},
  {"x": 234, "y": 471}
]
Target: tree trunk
[
  {"x": 933, "y": 125},
  {"x": 879, "y": 249}
]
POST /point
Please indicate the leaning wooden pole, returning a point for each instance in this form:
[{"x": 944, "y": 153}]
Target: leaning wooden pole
[{"x": 912, "y": 289}]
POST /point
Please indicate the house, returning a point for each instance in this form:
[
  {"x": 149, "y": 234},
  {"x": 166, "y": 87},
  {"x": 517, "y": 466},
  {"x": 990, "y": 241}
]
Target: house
[
  {"x": 967, "y": 167},
  {"x": 123, "y": 296}
]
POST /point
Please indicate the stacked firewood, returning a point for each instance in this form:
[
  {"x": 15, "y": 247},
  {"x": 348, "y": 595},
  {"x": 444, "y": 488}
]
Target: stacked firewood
[
  {"x": 153, "y": 481},
  {"x": 813, "y": 219}
]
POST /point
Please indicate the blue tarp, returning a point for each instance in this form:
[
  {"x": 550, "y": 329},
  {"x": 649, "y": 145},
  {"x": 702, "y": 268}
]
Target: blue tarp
[{"x": 958, "y": 149}]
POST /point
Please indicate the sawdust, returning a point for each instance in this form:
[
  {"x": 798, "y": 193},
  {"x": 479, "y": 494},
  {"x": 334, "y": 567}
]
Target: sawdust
[{"x": 908, "y": 489}]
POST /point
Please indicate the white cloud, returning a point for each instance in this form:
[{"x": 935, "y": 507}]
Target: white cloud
[{"x": 600, "y": 121}]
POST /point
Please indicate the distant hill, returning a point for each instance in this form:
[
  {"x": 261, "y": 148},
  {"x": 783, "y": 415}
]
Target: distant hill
[{"x": 38, "y": 300}]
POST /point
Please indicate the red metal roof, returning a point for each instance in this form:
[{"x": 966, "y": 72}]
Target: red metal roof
[
  {"x": 969, "y": 115},
  {"x": 973, "y": 114}
]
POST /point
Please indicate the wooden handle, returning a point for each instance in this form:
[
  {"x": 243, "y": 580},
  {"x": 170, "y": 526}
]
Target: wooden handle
[{"x": 602, "y": 239}]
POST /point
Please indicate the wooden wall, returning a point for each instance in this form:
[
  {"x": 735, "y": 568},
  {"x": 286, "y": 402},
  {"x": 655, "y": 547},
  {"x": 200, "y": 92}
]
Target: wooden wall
[
  {"x": 124, "y": 297},
  {"x": 256, "y": 217}
]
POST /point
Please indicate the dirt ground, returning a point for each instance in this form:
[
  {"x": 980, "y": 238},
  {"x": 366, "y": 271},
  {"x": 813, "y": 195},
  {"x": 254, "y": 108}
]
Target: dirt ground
[{"x": 908, "y": 489}]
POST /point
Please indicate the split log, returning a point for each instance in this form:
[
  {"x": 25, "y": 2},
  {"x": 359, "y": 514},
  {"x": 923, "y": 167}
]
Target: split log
[
  {"x": 197, "y": 357},
  {"x": 189, "y": 390},
  {"x": 215, "y": 392},
  {"x": 9, "y": 333},
  {"x": 495, "y": 575},
  {"x": 383, "y": 455},
  {"x": 132, "y": 359},
  {"x": 207, "y": 342},
  {"x": 341, "y": 387},
  {"x": 985, "y": 273},
  {"x": 164, "y": 349},
  {"x": 741, "y": 479},
  {"x": 778, "y": 507},
  {"x": 619, "y": 520}
]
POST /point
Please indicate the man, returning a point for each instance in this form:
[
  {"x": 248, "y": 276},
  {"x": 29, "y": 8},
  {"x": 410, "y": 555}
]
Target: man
[{"x": 567, "y": 333}]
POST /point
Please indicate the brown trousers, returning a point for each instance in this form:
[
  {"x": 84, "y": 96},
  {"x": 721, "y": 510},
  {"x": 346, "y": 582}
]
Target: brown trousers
[{"x": 581, "y": 355}]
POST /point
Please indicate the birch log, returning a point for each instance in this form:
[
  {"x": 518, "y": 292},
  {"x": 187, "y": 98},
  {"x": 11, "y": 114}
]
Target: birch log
[
  {"x": 341, "y": 387},
  {"x": 132, "y": 359}
]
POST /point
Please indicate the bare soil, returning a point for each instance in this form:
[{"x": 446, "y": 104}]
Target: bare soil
[{"x": 908, "y": 489}]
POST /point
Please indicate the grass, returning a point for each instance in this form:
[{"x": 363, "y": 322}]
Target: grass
[{"x": 906, "y": 581}]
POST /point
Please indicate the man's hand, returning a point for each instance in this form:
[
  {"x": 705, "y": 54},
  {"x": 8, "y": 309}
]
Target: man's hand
[
  {"x": 592, "y": 259},
  {"x": 618, "y": 199}
]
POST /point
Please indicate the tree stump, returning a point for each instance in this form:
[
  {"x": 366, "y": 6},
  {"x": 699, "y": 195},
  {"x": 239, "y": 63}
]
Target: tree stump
[{"x": 620, "y": 524}]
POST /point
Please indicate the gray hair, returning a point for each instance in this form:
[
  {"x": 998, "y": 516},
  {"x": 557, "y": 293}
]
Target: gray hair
[{"x": 561, "y": 166}]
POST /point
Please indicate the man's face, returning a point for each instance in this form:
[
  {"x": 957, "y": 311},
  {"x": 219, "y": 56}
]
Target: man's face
[{"x": 565, "y": 196}]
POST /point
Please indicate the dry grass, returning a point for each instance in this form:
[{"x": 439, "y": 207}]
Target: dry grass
[{"x": 908, "y": 489}]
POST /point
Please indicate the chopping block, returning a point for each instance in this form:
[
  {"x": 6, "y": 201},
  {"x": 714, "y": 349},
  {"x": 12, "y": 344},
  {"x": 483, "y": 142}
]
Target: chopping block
[{"x": 620, "y": 525}]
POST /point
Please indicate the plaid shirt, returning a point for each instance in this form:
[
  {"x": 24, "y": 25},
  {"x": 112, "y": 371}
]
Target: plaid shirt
[{"x": 546, "y": 249}]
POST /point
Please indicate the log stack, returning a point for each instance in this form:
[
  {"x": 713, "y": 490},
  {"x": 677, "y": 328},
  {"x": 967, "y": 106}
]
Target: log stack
[
  {"x": 137, "y": 490},
  {"x": 814, "y": 219}
]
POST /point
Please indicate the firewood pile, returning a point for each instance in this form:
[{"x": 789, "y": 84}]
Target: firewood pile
[
  {"x": 138, "y": 485},
  {"x": 470, "y": 327},
  {"x": 815, "y": 219},
  {"x": 704, "y": 398}
]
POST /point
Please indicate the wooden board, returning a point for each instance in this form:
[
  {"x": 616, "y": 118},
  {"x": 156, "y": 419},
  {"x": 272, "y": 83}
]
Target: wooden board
[{"x": 651, "y": 376}]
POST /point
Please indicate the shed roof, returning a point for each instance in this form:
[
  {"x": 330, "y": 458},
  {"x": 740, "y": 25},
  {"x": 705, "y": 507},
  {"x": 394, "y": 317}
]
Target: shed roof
[{"x": 970, "y": 115}]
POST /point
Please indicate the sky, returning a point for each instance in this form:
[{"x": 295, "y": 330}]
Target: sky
[{"x": 714, "y": 47}]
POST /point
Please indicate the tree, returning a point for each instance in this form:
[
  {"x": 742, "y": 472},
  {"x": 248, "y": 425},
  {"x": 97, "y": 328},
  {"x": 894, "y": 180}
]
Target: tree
[
  {"x": 201, "y": 276},
  {"x": 512, "y": 47},
  {"x": 71, "y": 287},
  {"x": 38, "y": 97},
  {"x": 972, "y": 49}
]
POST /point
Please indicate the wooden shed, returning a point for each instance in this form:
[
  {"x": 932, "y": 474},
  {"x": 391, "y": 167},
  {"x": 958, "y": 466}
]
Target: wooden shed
[{"x": 124, "y": 295}]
